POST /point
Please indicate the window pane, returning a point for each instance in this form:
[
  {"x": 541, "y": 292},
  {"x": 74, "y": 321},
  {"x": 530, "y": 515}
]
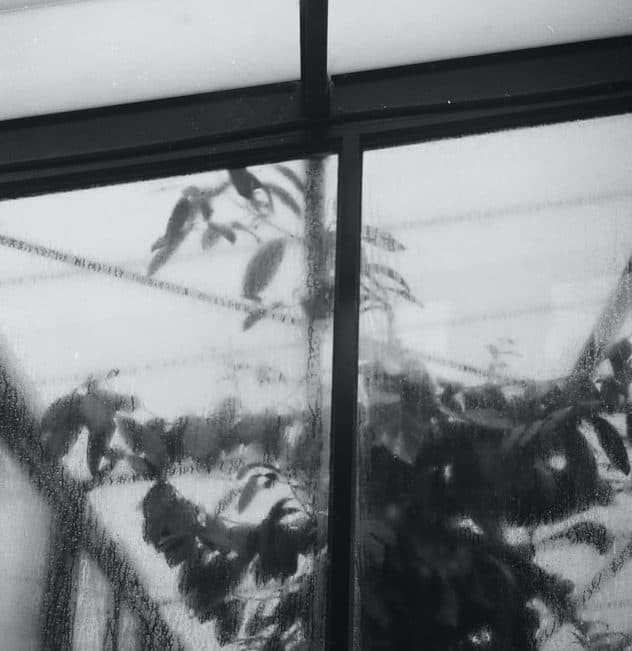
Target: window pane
[
  {"x": 406, "y": 32},
  {"x": 494, "y": 472},
  {"x": 176, "y": 335},
  {"x": 77, "y": 55}
]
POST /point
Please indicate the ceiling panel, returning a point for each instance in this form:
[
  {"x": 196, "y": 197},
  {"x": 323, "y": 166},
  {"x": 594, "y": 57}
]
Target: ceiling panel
[
  {"x": 60, "y": 57},
  {"x": 410, "y": 31}
]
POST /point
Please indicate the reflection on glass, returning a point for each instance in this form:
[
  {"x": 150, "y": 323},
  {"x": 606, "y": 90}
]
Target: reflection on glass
[
  {"x": 495, "y": 367},
  {"x": 175, "y": 336}
]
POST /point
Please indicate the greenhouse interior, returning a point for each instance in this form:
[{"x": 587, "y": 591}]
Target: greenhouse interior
[{"x": 315, "y": 325}]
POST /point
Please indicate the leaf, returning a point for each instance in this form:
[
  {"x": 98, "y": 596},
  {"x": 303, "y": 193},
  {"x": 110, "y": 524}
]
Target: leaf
[
  {"x": 159, "y": 259},
  {"x": 147, "y": 439},
  {"x": 245, "y": 182},
  {"x": 285, "y": 198},
  {"x": 610, "y": 393},
  {"x": 210, "y": 237},
  {"x": 228, "y": 620},
  {"x": 291, "y": 176},
  {"x": 618, "y": 354},
  {"x": 371, "y": 268},
  {"x": 262, "y": 267},
  {"x": 180, "y": 218},
  {"x": 158, "y": 244},
  {"x": 588, "y": 533},
  {"x": 225, "y": 231},
  {"x": 253, "y": 318},
  {"x": 61, "y": 424},
  {"x": 206, "y": 579},
  {"x": 381, "y": 239},
  {"x": 170, "y": 523},
  {"x": 98, "y": 442},
  {"x": 404, "y": 294},
  {"x": 612, "y": 445}
]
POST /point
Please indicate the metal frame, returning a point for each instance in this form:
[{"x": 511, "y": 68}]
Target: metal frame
[{"x": 346, "y": 115}]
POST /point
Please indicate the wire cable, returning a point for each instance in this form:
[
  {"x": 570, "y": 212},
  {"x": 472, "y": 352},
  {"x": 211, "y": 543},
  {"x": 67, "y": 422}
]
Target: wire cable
[{"x": 114, "y": 271}]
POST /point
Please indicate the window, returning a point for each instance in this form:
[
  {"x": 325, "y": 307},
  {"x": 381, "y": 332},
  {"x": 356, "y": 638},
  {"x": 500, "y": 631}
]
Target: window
[
  {"x": 273, "y": 330},
  {"x": 484, "y": 416}
]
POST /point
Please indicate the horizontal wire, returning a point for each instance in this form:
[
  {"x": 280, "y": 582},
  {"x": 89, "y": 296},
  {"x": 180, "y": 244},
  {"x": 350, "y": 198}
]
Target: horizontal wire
[
  {"x": 517, "y": 210},
  {"x": 114, "y": 271},
  {"x": 541, "y": 308},
  {"x": 175, "y": 362}
]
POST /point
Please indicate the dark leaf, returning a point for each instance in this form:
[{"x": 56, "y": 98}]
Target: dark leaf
[
  {"x": 210, "y": 237},
  {"x": 371, "y": 268},
  {"x": 98, "y": 442},
  {"x": 160, "y": 258},
  {"x": 225, "y": 231},
  {"x": 181, "y": 215},
  {"x": 253, "y": 318},
  {"x": 545, "y": 483},
  {"x": 320, "y": 304},
  {"x": 618, "y": 354},
  {"x": 61, "y": 424},
  {"x": 147, "y": 439},
  {"x": 245, "y": 182},
  {"x": 206, "y": 209},
  {"x": 170, "y": 523},
  {"x": 381, "y": 239},
  {"x": 285, "y": 198},
  {"x": 262, "y": 267},
  {"x": 291, "y": 176},
  {"x": 610, "y": 393},
  {"x": 405, "y": 295},
  {"x": 98, "y": 411},
  {"x": 612, "y": 444},
  {"x": 206, "y": 580},
  {"x": 229, "y": 616},
  {"x": 588, "y": 533},
  {"x": 278, "y": 543}
]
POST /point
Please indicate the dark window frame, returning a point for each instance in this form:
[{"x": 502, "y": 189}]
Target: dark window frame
[{"x": 345, "y": 115}]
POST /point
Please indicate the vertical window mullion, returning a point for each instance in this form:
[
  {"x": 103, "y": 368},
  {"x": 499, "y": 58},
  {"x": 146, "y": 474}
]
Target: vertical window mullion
[{"x": 344, "y": 394}]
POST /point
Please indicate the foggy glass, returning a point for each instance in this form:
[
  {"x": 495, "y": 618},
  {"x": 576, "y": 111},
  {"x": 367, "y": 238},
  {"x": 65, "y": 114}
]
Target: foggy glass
[
  {"x": 173, "y": 339},
  {"x": 493, "y": 490}
]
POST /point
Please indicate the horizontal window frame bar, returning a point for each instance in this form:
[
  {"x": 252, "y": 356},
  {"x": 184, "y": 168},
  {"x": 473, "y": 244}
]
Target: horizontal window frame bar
[{"x": 268, "y": 123}]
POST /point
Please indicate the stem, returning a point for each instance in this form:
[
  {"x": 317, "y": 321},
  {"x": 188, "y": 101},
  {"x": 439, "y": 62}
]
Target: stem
[{"x": 315, "y": 255}]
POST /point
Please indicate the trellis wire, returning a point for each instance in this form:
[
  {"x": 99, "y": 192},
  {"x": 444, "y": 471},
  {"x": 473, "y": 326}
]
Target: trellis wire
[{"x": 114, "y": 271}]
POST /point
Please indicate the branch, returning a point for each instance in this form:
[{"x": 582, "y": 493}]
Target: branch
[{"x": 19, "y": 429}]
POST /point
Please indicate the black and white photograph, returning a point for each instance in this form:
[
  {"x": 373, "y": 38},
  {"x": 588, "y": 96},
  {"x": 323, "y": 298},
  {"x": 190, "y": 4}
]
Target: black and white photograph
[{"x": 315, "y": 325}]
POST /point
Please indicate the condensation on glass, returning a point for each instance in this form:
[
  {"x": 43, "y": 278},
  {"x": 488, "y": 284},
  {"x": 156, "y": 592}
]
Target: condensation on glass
[
  {"x": 495, "y": 366},
  {"x": 173, "y": 337}
]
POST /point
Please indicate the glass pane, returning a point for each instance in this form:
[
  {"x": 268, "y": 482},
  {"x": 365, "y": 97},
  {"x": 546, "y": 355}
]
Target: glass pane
[
  {"x": 494, "y": 473},
  {"x": 175, "y": 335},
  {"x": 406, "y": 32},
  {"x": 63, "y": 57}
]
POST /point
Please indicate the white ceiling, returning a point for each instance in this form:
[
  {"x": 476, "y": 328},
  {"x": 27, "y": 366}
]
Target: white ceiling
[
  {"x": 413, "y": 31},
  {"x": 88, "y": 54},
  {"x": 58, "y": 55}
]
